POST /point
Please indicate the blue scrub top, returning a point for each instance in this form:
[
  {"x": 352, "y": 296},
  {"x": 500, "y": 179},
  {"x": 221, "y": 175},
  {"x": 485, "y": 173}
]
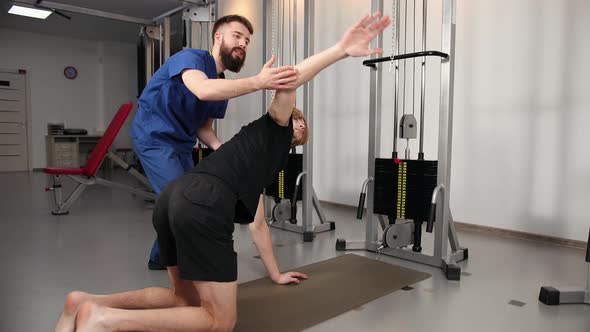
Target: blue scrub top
[{"x": 169, "y": 113}]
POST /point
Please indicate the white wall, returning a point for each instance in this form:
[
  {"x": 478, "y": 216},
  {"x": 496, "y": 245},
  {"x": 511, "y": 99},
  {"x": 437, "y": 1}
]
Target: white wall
[
  {"x": 245, "y": 109},
  {"x": 106, "y": 78},
  {"x": 341, "y": 102},
  {"x": 119, "y": 85},
  {"x": 520, "y": 108}
]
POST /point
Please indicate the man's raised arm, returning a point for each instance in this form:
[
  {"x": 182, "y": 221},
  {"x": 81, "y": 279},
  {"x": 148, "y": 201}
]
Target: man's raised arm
[{"x": 354, "y": 42}]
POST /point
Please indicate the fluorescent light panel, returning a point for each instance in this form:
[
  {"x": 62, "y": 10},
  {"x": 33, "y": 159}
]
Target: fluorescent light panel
[{"x": 30, "y": 12}]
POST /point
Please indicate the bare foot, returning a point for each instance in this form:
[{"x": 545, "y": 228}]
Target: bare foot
[
  {"x": 90, "y": 318},
  {"x": 71, "y": 304}
]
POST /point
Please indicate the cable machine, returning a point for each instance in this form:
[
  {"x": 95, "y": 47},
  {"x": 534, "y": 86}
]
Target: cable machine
[
  {"x": 406, "y": 192},
  {"x": 188, "y": 26},
  {"x": 295, "y": 183}
]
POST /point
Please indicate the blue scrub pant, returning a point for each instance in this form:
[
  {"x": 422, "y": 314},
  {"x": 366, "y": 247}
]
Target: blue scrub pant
[{"x": 162, "y": 164}]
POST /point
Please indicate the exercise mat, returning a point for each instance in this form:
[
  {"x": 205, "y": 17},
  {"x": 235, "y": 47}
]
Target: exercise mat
[{"x": 334, "y": 286}]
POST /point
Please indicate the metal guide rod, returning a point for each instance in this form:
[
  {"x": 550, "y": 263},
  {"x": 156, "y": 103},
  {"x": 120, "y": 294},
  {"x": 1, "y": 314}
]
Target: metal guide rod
[
  {"x": 423, "y": 80},
  {"x": 404, "y": 63},
  {"x": 265, "y": 9},
  {"x": 266, "y": 12},
  {"x": 413, "y": 59},
  {"x": 445, "y": 126},
  {"x": 290, "y": 17},
  {"x": 375, "y": 88},
  {"x": 308, "y": 31},
  {"x": 396, "y": 26},
  {"x": 294, "y": 27},
  {"x": 281, "y": 33}
]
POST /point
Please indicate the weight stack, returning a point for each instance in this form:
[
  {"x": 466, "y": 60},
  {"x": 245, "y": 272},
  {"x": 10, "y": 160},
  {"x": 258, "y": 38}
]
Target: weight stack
[
  {"x": 284, "y": 183},
  {"x": 403, "y": 188}
]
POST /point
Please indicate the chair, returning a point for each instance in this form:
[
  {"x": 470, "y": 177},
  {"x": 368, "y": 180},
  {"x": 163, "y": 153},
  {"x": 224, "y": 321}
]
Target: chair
[{"x": 86, "y": 176}]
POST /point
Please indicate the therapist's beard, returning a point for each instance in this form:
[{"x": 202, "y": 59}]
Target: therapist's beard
[{"x": 230, "y": 62}]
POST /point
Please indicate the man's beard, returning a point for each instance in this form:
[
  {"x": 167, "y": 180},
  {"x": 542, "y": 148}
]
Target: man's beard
[{"x": 230, "y": 62}]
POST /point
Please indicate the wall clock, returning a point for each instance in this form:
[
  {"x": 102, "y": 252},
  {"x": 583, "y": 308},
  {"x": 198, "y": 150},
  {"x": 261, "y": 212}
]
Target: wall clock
[{"x": 70, "y": 72}]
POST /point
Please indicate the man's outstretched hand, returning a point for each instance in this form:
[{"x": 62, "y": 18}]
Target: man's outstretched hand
[
  {"x": 356, "y": 40},
  {"x": 276, "y": 78}
]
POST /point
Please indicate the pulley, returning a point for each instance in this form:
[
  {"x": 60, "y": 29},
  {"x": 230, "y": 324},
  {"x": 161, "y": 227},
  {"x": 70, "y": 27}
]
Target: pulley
[
  {"x": 282, "y": 211},
  {"x": 398, "y": 235},
  {"x": 408, "y": 127}
]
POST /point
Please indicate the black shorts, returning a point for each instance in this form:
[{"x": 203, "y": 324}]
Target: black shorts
[{"x": 194, "y": 220}]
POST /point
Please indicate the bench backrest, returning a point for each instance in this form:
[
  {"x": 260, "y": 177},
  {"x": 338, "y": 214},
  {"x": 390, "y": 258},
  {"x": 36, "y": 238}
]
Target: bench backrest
[{"x": 103, "y": 145}]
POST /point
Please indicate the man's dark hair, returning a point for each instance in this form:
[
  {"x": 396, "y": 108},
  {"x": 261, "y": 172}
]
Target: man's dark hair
[{"x": 228, "y": 19}]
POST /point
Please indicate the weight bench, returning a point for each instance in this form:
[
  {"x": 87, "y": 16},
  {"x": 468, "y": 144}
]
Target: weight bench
[{"x": 86, "y": 176}]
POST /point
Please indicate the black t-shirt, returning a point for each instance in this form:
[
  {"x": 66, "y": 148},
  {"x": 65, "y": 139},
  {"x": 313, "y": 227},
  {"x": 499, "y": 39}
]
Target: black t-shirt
[{"x": 250, "y": 161}]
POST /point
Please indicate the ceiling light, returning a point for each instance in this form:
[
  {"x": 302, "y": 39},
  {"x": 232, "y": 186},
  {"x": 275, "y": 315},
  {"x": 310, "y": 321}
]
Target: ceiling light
[{"x": 28, "y": 11}]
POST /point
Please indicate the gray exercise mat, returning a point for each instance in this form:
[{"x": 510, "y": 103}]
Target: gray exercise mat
[{"x": 334, "y": 286}]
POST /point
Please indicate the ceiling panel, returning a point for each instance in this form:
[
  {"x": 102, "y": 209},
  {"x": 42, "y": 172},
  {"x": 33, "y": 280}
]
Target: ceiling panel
[
  {"x": 136, "y": 8},
  {"x": 90, "y": 27}
]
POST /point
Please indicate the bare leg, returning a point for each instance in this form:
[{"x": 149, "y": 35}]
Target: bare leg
[
  {"x": 217, "y": 313},
  {"x": 182, "y": 294}
]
